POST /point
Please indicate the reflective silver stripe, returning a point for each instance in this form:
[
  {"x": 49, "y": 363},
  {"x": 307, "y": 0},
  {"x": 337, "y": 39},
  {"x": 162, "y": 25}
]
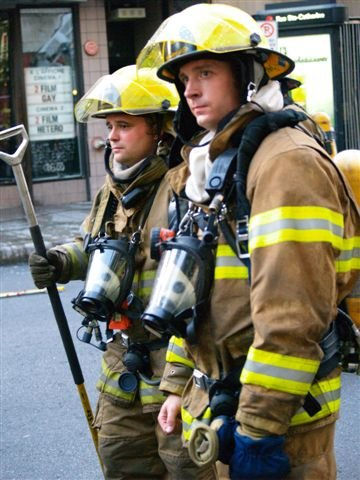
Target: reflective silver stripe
[
  {"x": 109, "y": 381},
  {"x": 177, "y": 350},
  {"x": 228, "y": 262},
  {"x": 146, "y": 283},
  {"x": 326, "y": 397},
  {"x": 295, "y": 224},
  {"x": 279, "y": 372},
  {"x": 327, "y": 393},
  {"x": 349, "y": 254}
]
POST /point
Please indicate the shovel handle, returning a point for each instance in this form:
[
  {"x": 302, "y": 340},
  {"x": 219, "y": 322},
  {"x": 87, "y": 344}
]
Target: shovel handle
[{"x": 16, "y": 157}]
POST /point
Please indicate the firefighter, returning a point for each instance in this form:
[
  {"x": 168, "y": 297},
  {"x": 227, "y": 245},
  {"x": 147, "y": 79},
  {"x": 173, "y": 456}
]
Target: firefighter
[
  {"x": 349, "y": 163},
  {"x": 138, "y": 111},
  {"x": 285, "y": 255}
]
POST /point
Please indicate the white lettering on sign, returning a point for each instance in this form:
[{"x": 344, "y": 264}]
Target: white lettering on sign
[
  {"x": 291, "y": 17},
  {"x": 49, "y": 103}
]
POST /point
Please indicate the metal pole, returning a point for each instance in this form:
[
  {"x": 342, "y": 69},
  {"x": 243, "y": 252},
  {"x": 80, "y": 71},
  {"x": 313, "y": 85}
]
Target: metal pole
[{"x": 14, "y": 160}]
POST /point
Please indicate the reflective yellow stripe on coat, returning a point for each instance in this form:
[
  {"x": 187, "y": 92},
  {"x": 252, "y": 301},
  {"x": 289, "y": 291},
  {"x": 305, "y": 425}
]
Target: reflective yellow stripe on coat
[
  {"x": 349, "y": 258},
  {"x": 189, "y": 422},
  {"x": 150, "y": 394},
  {"x": 228, "y": 265},
  {"x": 176, "y": 353},
  {"x": 146, "y": 283},
  {"x": 296, "y": 224},
  {"x": 109, "y": 383},
  {"x": 327, "y": 393},
  {"x": 279, "y": 372},
  {"x": 79, "y": 259}
]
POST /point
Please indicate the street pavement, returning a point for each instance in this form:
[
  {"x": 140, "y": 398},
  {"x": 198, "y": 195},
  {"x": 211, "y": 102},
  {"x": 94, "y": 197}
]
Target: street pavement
[{"x": 58, "y": 224}]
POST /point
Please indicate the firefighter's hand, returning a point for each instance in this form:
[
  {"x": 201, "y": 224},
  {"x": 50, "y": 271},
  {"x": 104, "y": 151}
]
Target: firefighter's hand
[
  {"x": 258, "y": 457},
  {"x": 168, "y": 417},
  {"x": 46, "y": 271}
]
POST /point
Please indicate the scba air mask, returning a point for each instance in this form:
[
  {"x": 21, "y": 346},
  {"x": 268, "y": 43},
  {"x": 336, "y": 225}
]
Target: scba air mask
[
  {"x": 109, "y": 276},
  {"x": 182, "y": 283}
]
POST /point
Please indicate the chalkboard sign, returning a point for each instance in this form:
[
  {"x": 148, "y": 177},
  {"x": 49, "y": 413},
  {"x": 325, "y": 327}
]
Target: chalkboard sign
[{"x": 55, "y": 159}]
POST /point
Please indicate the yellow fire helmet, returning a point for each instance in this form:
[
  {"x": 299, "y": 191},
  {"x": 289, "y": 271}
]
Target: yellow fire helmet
[
  {"x": 214, "y": 28},
  {"x": 349, "y": 163},
  {"x": 127, "y": 91}
]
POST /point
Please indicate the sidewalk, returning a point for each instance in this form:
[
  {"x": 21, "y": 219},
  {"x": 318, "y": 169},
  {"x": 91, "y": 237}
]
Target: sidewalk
[{"x": 58, "y": 224}]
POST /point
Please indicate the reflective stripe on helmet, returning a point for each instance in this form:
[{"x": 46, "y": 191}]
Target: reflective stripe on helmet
[{"x": 279, "y": 372}]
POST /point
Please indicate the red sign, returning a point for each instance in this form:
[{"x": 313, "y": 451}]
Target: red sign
[{"x": 268, "y": 29}]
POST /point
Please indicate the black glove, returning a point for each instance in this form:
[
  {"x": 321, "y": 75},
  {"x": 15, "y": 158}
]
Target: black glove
[{"x": 46, "y": 271}]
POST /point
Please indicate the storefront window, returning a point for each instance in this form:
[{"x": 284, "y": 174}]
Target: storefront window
[
  {"x": 5, "y": 105},
  {"x": 49, "y": 70},
  {"x": 312, "y": 56}
]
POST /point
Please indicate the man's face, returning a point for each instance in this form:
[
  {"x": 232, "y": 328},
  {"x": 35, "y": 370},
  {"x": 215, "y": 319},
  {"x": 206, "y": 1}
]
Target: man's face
[
  {"x": 210, "y": 90},
  {"x": 131, "y": 138}
]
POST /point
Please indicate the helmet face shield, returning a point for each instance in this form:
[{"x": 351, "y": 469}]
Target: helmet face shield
[
  {"x": 127, "y": 91},
  {"x": 211, "y": 28}
]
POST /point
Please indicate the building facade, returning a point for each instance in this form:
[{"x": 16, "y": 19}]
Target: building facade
[{"x": 52, "y": 51}]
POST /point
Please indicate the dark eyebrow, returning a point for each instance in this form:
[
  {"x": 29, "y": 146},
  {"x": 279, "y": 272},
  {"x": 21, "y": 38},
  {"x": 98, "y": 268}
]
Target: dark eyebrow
[
  {"x": 209, "y": 64},
  {"x": 117, "y": 122}
]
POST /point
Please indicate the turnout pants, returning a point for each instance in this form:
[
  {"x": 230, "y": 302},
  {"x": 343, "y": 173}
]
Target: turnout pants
[{"x": 132, "y": 446}]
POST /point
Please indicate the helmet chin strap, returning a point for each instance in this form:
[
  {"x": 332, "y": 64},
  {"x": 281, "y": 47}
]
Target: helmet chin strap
[{"x": 256, "y": 82}]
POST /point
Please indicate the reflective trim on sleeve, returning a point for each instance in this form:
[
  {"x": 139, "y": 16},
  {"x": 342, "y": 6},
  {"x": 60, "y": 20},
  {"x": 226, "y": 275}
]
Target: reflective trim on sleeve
[
  {"x": 189, "y": 422},
  {"x": 296, "y": 224},
  {"x": 279, "y": 372},
  {"x": 176, "y": 353},
  {"x": 349, "y": 258},
  {"x": 150, "y": 394},
  {"x": 228, "y": 265},
  {"x": 327, "y": 393}
]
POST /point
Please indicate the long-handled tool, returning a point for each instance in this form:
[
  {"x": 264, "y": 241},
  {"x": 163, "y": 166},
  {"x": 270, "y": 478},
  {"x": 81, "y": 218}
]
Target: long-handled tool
[{"x": 14, "y": 160}]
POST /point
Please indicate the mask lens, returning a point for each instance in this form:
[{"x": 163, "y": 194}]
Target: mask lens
[{"x": 178, "y": 273}]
